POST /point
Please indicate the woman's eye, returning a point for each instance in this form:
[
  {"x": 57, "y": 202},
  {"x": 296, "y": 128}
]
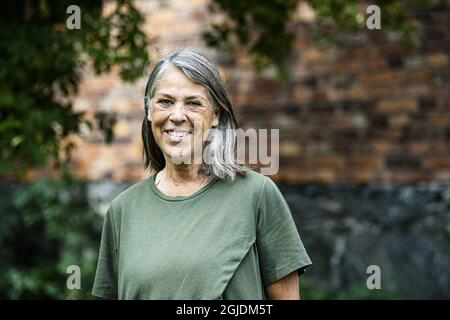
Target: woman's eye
[
  {"x": 195, "y": 103},
  {"x": 165, "y": 101}
]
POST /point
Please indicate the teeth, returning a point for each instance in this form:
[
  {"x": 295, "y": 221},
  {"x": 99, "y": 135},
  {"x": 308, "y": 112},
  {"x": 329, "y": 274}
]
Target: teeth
[{"x": 178, "y": 133}]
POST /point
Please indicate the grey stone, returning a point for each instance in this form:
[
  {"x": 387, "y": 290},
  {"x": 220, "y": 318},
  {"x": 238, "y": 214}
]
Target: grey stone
[{"x": 405, "y": 230}]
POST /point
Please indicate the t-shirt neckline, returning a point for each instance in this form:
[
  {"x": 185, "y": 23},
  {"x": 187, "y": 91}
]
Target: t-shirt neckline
[{"x": 163, "y": 196}]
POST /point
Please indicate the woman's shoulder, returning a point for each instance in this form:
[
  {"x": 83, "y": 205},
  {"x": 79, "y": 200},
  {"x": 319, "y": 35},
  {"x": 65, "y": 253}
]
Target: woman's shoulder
[
  {"x": 252, "y": 179},
  {"x": 259, "y": 183},
  {"x": 131, "y": 194}
]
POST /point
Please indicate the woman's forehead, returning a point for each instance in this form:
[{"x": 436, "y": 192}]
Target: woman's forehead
[{"x": 175, "y": 83}]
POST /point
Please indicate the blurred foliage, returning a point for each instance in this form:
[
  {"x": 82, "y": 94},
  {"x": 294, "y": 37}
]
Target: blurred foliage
[
  {"x": 106, "y": 122},
  {"x": 41, "y": 65},
  {"x": 262, "y": 28},
  {"x": 335, "y": 16},
  {"x": 44, "y": 228},
  {"x": 259, "y": 26}
]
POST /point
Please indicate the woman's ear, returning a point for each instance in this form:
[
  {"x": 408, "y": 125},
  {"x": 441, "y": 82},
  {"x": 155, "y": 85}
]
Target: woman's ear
[
  {"x": 147, "y": 105},
  {"x": 216, "y": 119}
]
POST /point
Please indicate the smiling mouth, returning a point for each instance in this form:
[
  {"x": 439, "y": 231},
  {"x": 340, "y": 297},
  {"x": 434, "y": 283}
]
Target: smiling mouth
[{"x": 177, "y": 135}]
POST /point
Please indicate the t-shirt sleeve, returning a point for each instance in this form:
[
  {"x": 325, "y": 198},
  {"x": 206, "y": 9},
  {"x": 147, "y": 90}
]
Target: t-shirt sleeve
[
  {"x": 280, "y": 248},
  {"x": 105, "y": 283}
]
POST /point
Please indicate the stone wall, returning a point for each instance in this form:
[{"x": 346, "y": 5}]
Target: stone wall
[{"x": 404, "y": 230}]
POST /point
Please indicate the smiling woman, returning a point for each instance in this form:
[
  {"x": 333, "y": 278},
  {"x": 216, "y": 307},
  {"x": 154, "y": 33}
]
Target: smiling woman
[
  {"x": 197, "y": 230},
  {"x": 187, "y": 87},
  {"x": 180, "y": 116}
]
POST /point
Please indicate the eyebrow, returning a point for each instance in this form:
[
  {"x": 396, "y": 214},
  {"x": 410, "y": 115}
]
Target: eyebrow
[{"x": 187, "y": 98}]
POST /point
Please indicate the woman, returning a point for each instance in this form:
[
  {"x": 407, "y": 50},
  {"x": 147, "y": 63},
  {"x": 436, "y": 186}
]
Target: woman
[{"x": 197, "y": 229}]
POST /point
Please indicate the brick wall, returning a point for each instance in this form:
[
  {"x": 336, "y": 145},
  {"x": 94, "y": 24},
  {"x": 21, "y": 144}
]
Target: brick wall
[{"x": 368, "y": 109}]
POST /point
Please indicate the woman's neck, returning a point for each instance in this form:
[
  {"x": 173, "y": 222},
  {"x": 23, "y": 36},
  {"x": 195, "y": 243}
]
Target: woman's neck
[
  {"x": 181, "y": 174},
  {"x": 181, "y": 182}
]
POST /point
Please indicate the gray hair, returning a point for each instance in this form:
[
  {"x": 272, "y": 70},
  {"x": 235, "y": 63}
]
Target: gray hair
[{"x": 201, "y": 70}]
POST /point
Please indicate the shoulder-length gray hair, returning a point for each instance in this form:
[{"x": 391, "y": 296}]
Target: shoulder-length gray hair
[{"x": 201, "y": 70}]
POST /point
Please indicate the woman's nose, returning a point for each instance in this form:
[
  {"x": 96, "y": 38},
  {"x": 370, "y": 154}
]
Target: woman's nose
[{"x": 178, "y": 113}]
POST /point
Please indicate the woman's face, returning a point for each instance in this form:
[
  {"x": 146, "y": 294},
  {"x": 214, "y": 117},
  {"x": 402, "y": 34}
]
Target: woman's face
[{"x": 178, "y": 107}]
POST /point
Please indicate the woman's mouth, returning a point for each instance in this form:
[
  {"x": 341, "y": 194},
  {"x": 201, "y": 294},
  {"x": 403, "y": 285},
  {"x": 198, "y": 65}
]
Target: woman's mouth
[{"x": 177, "y": 135}]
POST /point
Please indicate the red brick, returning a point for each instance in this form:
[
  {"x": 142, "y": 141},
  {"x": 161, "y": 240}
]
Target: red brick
[
  {"x": 397, "y": 105},
  {"x": 437, "y": 60},
  {"x": 437, "y": 163},
  {"x": 398, "y": 120}
]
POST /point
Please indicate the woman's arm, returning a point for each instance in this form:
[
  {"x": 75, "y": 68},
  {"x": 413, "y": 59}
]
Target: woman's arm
[{"x": 287, "y": 288}]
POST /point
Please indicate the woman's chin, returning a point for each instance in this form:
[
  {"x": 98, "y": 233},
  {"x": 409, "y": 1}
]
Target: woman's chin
[{"x": 179, "y": 155}]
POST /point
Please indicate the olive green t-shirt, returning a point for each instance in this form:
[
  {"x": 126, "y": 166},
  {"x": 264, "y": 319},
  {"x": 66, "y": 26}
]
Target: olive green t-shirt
[{"x": 228, "y": 240}]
